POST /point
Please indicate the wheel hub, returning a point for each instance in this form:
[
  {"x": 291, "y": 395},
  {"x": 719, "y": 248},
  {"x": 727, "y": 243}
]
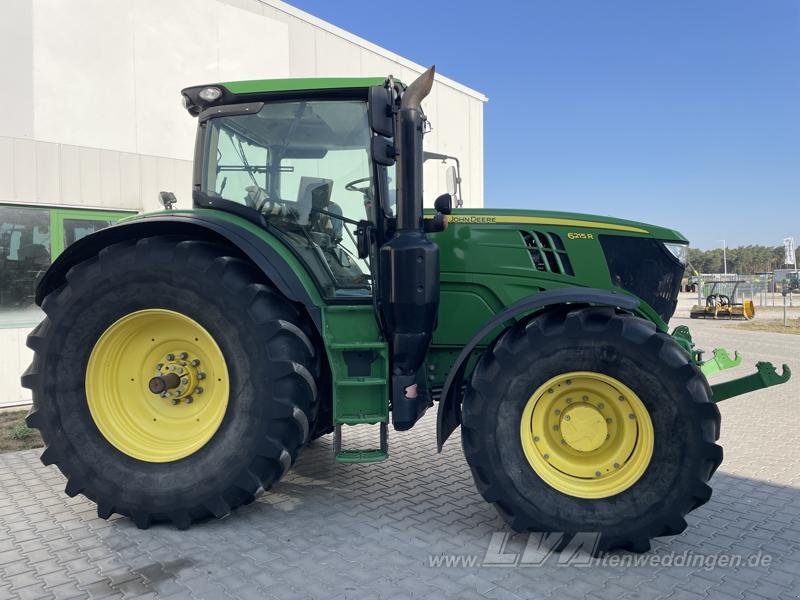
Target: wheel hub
[
  {"x": 177, "y": 377},
  {"x": 583, "y": 427},
  {"x": 587, "y": 434}
]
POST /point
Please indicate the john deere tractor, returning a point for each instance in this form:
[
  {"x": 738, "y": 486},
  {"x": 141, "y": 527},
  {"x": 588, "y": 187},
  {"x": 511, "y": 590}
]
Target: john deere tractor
[{"x": 188, "y": 356}]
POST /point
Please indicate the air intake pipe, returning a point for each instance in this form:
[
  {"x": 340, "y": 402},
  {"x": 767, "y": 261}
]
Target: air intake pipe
[{"x": 409, "y": 266}]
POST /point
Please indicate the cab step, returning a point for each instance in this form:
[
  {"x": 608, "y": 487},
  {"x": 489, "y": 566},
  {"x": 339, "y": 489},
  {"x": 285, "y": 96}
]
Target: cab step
[{"x": 361, "y": 455}]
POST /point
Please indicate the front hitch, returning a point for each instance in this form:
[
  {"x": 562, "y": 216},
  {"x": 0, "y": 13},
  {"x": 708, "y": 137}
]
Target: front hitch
[
  {"x": 765, "y": 376},
  {"x": 721, "y": 361}
]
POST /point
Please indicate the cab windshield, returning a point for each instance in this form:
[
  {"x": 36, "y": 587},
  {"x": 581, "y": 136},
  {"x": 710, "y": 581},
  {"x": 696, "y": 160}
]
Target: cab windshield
[{"x": 305, "y": 165}]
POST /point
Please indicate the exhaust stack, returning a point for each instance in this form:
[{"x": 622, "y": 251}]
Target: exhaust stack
[{"x": 409, "y": 266}]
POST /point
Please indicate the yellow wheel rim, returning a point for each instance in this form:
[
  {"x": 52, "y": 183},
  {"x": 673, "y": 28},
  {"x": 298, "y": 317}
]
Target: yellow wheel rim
[
  {"x": 587, "y": 434},
  {"x": 173, "y": 423}
]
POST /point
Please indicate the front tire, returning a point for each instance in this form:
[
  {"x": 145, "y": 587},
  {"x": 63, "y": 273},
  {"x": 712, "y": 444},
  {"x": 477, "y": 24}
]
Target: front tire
[
  {"x": 233, "y": 422},
  {"x": 634, "y": 480}
]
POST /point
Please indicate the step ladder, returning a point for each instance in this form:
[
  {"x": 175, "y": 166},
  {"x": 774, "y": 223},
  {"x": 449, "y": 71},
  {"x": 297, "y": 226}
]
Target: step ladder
[
  {"x": 359, "y": 360},
  {"x": 361, "y": 455}
]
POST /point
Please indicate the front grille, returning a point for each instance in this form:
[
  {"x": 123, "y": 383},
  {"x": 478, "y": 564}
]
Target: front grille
[
  {"x": 547, "y": 252},
  {"x": 644, "y": 267}
]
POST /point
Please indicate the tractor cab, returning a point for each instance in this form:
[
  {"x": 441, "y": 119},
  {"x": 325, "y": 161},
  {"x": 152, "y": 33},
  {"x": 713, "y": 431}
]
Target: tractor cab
[
  {"x": 304, "y": 166},
  {"x": 336, "y": 175}
]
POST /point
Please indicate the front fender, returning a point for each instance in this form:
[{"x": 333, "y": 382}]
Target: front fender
[
  {"x": 449, "y": 413},
  {"x": 235, "y": 231}
]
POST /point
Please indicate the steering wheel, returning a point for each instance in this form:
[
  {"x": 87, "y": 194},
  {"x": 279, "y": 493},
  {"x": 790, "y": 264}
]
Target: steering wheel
[{"x": 366, "y": 190}]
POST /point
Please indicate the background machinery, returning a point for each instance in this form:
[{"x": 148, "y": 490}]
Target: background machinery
[{"x": 723, "y": 301}]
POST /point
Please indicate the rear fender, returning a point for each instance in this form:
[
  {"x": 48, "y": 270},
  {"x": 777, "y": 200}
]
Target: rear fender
[{"x": 274, "y": 266}]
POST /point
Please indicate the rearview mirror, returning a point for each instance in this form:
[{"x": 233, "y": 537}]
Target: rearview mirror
[
  {"x": 382, "y": 151},
  {"x": 379, "y": 113},
  {"x": 451, "y": 179}
]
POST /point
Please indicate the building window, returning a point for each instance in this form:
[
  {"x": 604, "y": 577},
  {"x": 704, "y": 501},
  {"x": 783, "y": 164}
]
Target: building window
[
  {"x": 24, "y": 255},
  {"x": 31, "y": 237}
]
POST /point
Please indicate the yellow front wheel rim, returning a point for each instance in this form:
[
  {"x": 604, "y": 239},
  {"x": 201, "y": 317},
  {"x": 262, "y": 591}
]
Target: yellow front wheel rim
[
  {"x": 173, "y": 423},
  {"x": 587, "y": 435}
]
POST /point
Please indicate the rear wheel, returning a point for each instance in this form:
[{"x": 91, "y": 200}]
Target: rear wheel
[
  {"x": 170, "y": 381},
  {"x": 586, "y": 420}
]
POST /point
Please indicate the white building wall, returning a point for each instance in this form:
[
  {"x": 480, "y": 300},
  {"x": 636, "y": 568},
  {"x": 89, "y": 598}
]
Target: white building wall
[{"x": 91, "y": 113}]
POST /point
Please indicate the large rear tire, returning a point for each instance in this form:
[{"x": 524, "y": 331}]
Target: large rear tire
[
  {"x": 245, "y": 402},
  {"x": 587, "y": 420}
]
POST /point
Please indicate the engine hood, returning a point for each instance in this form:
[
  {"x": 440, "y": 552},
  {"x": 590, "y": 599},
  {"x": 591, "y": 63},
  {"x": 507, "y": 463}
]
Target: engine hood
[{"x": 579, "y": 221}]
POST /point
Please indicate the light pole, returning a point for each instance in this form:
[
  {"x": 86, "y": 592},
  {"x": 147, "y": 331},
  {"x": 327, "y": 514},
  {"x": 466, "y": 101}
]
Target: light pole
[{"x": 724, "y": 257}]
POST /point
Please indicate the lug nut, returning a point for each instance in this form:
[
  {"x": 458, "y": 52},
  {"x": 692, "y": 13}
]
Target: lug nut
[
  {"x": 555, "y": 427},
  {"x": 184, "y": 355},
  {"x": 201, "y": 376},
  {"x": 616, "y": 465},
  {"x": 585, "y": 398},
  {"x": 601, "y": 406},
  {"x": 175, "y": 401},
  {"x": 184, "y": 380},
  {"x": 170, "y": 356},
  {"x": 631, "y": 416},
  {"x": 597, "y": 473},
  {"x": 189, "y": 400},
  {"x": 196, "y": 362},
  {"x": 567, "y": 418},
  {"x": 159, "y": 366},
  {"x": 198, "y": 390}
]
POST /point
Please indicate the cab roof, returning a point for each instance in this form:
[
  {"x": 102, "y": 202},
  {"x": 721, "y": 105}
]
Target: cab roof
[{"x": 255, "y": 86}]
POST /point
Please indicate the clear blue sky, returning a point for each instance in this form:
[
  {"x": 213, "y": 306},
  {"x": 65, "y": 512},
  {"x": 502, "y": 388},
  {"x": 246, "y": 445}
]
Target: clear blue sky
[{"x": 684, "y": 113}]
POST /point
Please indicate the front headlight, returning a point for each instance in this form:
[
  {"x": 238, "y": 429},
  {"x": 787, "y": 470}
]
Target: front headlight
[{"x": 679, "y": 251}]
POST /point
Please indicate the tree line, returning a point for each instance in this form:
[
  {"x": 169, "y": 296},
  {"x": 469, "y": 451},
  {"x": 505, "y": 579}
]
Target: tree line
[{"x": 744, "y": 260}]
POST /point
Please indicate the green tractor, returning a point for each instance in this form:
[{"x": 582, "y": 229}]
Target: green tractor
[{"x": 188, "y": 356}]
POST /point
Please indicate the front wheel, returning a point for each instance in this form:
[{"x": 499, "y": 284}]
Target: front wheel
[
  {"x": 170, "y": 381},
  {"x": 586, "y": 420}
]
